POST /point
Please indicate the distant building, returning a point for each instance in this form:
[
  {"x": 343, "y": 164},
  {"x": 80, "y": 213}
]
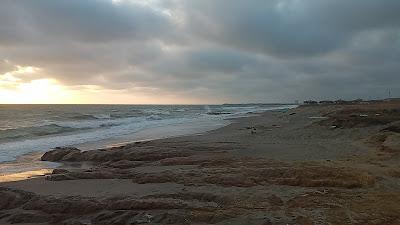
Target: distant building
[
  {"x": 310, "y": 102},
  {"x": 326, "y": 102}
]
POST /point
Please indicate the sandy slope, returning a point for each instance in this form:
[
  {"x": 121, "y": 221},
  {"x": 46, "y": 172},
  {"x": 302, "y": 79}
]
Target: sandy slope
[{"x": 295, "y": 169}]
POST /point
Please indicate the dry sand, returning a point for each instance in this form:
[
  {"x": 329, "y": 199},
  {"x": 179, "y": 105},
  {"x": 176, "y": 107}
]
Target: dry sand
[{"x": 310, "y": 165}]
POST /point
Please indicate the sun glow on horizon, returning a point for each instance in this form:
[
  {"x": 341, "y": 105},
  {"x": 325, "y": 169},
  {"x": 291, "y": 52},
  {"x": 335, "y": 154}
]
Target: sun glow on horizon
[
  {"x": 14, "y": 90},
  {"x": 41, "y": 91},
  {"x": 31, "y": 85}
]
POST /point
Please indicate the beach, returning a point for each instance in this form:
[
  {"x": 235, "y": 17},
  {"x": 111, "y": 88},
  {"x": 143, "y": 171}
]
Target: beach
[{"x": 318, "y": 164}]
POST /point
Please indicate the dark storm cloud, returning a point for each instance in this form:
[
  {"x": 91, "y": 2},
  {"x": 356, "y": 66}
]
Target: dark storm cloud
[
  {"x": 200, "y": 62},
  {"x": 237, "y": 51},
  {"x": 89, "y": 21},
  {"x": 288, "y": 27}
]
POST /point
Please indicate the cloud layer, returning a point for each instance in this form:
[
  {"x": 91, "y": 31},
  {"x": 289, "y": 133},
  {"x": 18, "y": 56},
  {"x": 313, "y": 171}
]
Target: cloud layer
[{"x": 208, "y": 50}]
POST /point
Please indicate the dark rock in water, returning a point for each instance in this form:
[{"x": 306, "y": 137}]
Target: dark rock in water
[
  {"x": 61, "y": 154},
  {"x": 218, "y": 113}
]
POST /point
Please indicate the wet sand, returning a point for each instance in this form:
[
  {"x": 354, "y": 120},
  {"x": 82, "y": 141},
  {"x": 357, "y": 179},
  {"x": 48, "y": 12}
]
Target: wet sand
[
  {"x": 310, "y": 165},
  {"x": 24, "y": 167}
]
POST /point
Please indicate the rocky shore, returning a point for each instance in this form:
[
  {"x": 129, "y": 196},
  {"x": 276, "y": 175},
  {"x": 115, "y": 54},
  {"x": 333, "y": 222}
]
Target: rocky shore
[{"x": 309, "y": 165}]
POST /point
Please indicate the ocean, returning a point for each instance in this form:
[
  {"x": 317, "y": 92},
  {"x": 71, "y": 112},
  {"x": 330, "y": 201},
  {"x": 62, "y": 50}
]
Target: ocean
[{"x": 39, "y": 128}]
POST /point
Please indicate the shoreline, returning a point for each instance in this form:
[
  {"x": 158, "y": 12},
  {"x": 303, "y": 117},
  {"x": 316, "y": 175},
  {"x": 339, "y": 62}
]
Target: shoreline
[
  {"x": 26, "y": 166},
  {"x": 36, "y": 170},
  {"x": 303, "y": 166}
]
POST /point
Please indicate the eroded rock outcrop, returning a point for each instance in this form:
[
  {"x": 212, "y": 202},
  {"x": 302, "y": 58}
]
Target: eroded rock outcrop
[
  {"x": 62, "y": 154},
  {"x": 234, "y": 172}
]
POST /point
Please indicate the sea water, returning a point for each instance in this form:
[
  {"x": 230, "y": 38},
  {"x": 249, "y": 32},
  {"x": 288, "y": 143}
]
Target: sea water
[{"x": 39, "y": 128}]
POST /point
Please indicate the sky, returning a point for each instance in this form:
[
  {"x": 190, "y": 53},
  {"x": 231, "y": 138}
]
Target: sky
[{"x": 198, "y": 51}]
